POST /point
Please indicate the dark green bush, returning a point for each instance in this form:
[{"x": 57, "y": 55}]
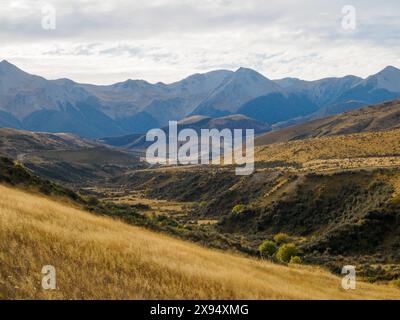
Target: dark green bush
[
  {"x": 295, "y": 260},
  {"x": 286, "y": 252},
  {"x": 239, "y": 208},
  {"x": 281, "y": 238},
  {"x": 267, "y": 248}
]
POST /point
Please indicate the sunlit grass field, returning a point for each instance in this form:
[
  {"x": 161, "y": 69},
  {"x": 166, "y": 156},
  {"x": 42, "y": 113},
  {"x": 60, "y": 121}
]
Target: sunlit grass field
[
  {"x": 361, "y": 150},
  {"x": 100, "y": 258}
]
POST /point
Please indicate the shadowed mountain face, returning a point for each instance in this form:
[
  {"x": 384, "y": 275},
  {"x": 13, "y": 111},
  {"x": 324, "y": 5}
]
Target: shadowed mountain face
[
  {"x": 277, "y": 107},
  {"x": 33, "y": 103},
  {"x": 241, "y": 87},
  {"x": 336, "y": 95}
]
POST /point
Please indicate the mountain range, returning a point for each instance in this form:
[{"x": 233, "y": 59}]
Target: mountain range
[{"x": 34, "y": 103}]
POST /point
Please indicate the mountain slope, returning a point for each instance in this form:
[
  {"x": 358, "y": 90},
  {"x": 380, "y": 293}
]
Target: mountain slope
[
  {"x": 236, "y": 121},
  {"x": 383, "y": 86},
  {"x": 134, "y": 106},
  {"x": 374, "y": 118},
  {"x": 14, "y": 142},
  {"x": 277, "y": 107},
  {"x": 126, "y": 98},
  {"x": 65, "y": 157},
  {"x": 325, "y": 91},
  {"x": 140, "y": 122},
  {"x": 242, "y": 86},
  {"x": 196, "y": 123},
  {"x": 116, "y": 261},
  {"x": 337, "y": 95},
  {"x": 34, "y": 103},
  {"x": 7, "y": 120}
]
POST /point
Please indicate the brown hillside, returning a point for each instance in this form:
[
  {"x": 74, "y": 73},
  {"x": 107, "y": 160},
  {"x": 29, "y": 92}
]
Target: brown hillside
[
  {"x": 99, "y": 258},
  {"x": 373, "y": 118}
]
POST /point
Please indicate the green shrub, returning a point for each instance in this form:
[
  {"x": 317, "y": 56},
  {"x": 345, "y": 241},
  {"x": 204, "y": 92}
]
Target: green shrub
[
  {"x": 203, "y": 204},
  {"x": 281, "y": 238},
  {"x": 295, "y": 260},
  {"x": 267, "y": 248},
  {"x": 239, "y": 208},
  {"x": 286, "y": 252}
]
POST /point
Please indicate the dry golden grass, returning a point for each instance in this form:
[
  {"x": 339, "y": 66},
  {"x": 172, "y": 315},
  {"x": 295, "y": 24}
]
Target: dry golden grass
[
  {"x": 371, "y": 149},
  {"x": 97, "y": 257}
]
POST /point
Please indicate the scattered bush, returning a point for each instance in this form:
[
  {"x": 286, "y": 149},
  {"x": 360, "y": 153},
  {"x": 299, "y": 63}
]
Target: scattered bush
[
  {"x": 239, "y": 208},
  {"x": 295, "y": 260},
  {"x": 267, "y": 248},
  {"x": 203, "y": 204},
  {"x": 286, "y": 252},
  {"x": 281, "y": 238},
  {"x": 141, "y": 206},
  {"x": 92, "y": 201}
]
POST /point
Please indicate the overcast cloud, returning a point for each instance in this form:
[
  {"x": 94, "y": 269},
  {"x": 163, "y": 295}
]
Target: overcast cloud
[{"x": 166, "y": 40}]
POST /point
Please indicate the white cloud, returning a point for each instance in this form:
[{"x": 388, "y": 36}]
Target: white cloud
[{"x": 165, "y": 40}]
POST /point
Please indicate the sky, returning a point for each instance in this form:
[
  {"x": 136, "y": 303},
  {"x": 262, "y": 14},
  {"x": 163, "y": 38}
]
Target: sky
[{"x": 105, "y": 42}]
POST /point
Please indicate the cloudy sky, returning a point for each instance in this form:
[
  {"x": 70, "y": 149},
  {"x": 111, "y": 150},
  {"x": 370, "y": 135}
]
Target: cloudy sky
[{"x": 165, "y": 40}]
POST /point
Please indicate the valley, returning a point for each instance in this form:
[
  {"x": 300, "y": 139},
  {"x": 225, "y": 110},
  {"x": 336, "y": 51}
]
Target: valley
[
  {"x": 329, "y": 187},
  {"x": 293, "y": 181},
  {"x": 101, "y": 258},
  {"x": 200, "y": 157}
]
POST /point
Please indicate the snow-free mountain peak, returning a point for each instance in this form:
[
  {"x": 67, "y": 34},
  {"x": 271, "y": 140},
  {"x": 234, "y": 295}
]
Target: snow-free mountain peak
[
  {"x": 388, "y": 78},
  {"x": 7, "y": 68},
  {"x": 241, "y": 86},
  {"x": 33, "y": 103}
]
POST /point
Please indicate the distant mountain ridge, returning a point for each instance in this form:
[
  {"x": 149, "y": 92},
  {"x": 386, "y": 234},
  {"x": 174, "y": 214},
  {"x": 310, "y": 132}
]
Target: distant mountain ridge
[
  {"x": 33, "y": 103},
  {"x": 242, "y": 86}
]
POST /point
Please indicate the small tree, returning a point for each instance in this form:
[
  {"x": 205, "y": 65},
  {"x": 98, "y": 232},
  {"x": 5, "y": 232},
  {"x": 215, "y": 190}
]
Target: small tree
[
  {"x": 295, "y": 260},
  {"x": 286, "y": 252},
  {"x": 267, "y": 248},
  {"x": 281, "y": 238}
]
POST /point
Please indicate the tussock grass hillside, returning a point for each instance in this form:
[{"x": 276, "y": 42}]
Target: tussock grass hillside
[
  {"x": 378, "y": 117},
  {"x": 370, "y": 149},
  {"x": 98, "y": 257}
]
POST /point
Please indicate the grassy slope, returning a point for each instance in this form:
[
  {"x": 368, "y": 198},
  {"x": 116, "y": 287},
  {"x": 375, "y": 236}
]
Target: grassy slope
[
  {"x": 378, "y": 149},
  {"x": 383, "y": 116},
  {"x": 97, "y": 257},
  {"x": 65, "y": 157}
]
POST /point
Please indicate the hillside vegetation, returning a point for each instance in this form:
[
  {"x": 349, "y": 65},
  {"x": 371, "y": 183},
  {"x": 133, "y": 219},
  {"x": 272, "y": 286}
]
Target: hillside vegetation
[
  {"x": 369, "y": 149},
  {"x": 66, "y": 157},
  {"x": 373, "y": 118},
  {"x": 335, "y": 218},
  {"x": 98, "y": 257}
]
